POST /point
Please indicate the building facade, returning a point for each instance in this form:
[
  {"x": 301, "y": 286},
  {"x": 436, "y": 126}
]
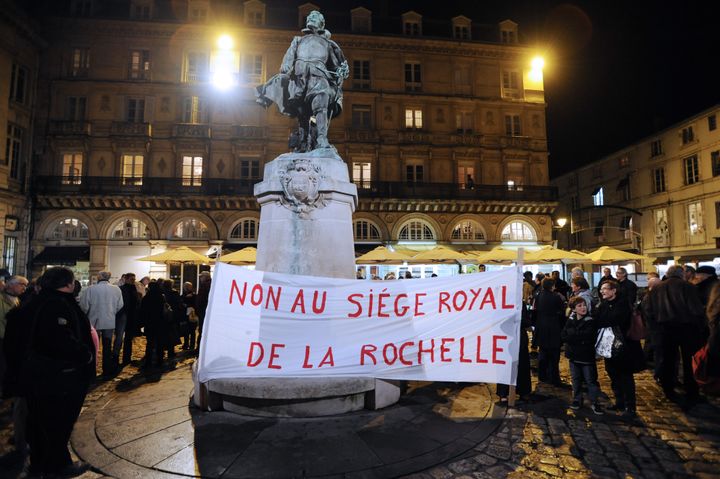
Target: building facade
[
  {"x": 20, "y": 48},
  {"x": 659, "y": 197},
  {"x": 443, "y": 129}
]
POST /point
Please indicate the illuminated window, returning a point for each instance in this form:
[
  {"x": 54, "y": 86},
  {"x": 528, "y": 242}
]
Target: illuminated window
[
  {"x": 413, "y": 118},
  {"x": 130, "y": 229},
  {"x": 361, "y": 174},
  {"x": 466, "y": 176},
  {"x": 72, "y": 168},
  {"x": 190, "y": 229},
  {"x": 598, "y": 196},
  {"x": 696, "y": 223},
  {"x": 139, "y": 67},
  {"x": 245, "y": 229},
  {"x": 9, "y": 253},
  {"x": 194, "y": 110},
  {"x": 70, "y": 229},
  {"x": 366, "y": 231},
  {"x": 468, "y": 230},
  {"x": 132, "y": 169},
  {"x": 511, "y": 80},
  {"x": 518, "y": 231},
  {"x": 416, "y": 230},
  {"x": 192, "y": 169},
  {"x": 196, "y": 67}
]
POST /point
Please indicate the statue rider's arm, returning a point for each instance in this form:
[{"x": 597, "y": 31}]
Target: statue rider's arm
[
  {"x": 288, "y": 62},
  {"x": 338, "y": 59}
]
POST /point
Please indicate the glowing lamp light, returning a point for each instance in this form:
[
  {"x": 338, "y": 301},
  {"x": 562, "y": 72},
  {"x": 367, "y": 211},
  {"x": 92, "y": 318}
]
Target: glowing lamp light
[
  {"x": 225, "y": 42},
  {"x": 561, "y": 222},
  {"x": 536, "y": 73},
  {"x": 224, "y": 67}
]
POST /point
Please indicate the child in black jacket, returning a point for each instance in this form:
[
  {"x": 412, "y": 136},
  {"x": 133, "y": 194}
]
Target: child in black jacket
[{"x": 579, "y": 336}]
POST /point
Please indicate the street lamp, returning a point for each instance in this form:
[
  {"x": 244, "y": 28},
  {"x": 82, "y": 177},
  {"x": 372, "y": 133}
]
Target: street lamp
[
  {"x": 225, "y": 64},
  {"x": 561, "y": 222}
]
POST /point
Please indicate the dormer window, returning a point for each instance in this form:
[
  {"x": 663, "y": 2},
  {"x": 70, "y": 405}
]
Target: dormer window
[
  {"x": 198, "y": 11},
  {"x": 361, "y": 20},
  {"x": 508, "y": 32},
  {"x": 412, "y": 24},
  {"x": 303, "y": 11},
  {"x": 461, "y": 28},
  {"x": 141, "y": 9},
  {"x": 254, "y": 13}
]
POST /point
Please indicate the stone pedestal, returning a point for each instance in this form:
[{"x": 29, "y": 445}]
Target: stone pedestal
[{"x": 306, "y": 206}]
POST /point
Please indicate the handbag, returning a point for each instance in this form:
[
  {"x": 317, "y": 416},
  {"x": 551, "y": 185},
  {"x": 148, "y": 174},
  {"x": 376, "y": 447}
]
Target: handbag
[
  {"x": 637, "y": 327},
  {"x": 604, "y": 342},
  {"x": 701, "y": 365},
  {"x": 619, "y": 347}
]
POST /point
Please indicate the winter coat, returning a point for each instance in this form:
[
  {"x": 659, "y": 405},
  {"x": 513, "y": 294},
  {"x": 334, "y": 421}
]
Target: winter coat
[
  {"x": 101, "y": 302},
  {"x": 617, "y": 314},
  {"x": 579, "y": 336},
  {"x": 628, "y": 290},
  {"x": 151, "y": 312},
  {"x": 549, "y": 320}
]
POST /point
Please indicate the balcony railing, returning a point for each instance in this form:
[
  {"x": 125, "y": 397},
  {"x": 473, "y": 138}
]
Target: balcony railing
[
  {"x": 130, "y": 128},
  {"x": 191, "y": 130},
  {"x": 242, "y": 132},
  {"x": 108, "y": 185},
  {"x": 70, "y": 128}
]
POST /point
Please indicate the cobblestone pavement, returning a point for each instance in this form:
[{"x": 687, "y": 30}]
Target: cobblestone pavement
[{"x": 544, "y": 438}]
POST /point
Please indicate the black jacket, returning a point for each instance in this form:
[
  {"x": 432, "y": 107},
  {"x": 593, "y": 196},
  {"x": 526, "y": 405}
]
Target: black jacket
[
  {"x": 579, "y": 336},
  {"x": 675, "y": 301},
  {"x": 628, "y": 290},
  {"x": 549, "y": 320},
  {"x": 617, "y": 313}
]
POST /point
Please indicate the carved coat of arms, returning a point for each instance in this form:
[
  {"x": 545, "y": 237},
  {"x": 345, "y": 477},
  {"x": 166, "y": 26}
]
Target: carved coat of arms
[{"x": 300, "y": 183}]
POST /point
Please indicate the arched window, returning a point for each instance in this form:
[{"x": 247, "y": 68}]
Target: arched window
[
  {"x": 130, "y": 228},
  {"x": 468, "y": 230},
  {"x": 190, "y": 229},
  {"x": 366, "y": 231},
  {"x": 416, "y": 230},
  {"x": 245, "y": 229},
  {"x": 70, "y": 229},
  {"x": 518, "y": 231}
]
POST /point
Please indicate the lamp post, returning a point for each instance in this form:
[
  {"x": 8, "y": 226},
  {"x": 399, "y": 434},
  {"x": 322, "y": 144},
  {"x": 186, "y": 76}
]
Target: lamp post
[{"x": 561, "y": 222}]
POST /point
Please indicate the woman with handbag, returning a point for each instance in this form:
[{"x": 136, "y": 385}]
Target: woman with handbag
[{"x": 627, "y": 356}]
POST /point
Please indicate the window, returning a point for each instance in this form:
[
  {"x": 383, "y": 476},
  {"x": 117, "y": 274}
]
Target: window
[
  {"x": 72, "y": 168},
  {"x": 508, "y": 36},
  {"x": 9, "y": 253},
  {"x": 624, "y": 187},
  {"x": 255, "y": 14},
  {"x": 461, "y": 32},
  {"x": 574, "y": 204},
  {"x": 135, "y": 110},
  {"x": 413, "y": 118},
  {"x": 196, "y": 67},
  {"x": 245, "y": 229},
  {"x": 18, "y": 83},
  {"x": 715, "y": 160},
  {"x": 463, "y": 84},
  {"x": 192, "y": 168},
  {"x": 687, "y": 135},
  {"x": 80, "y": 62},
  {"x": 624, "y": 162},
  {"x": 466, "y": 176},
  {"x": 692, "y": 170},
  {"x": 70, "y": 229},
  {"x": 361, "y": 116},
  {"x": 76, "y": 107},
  {"x": 656, "y": 148},
  {"x": 132, "y": 170},
  {"x": 414, "y": 173},
  {"x": 361, "y": 74},
  {"x": 695, "y": 218},
  {"x": 518, "y": 231},
  {"x": 598, "y": 196},
  {"x": 413, "y": 77},
  {"x": 197, "y": 13},
  {"x": 717, "y": 215},
  {"x": 366, "y": 231},
  {"x": 464, "y": 122},
  {"x": 139, "y": 68},
  {"x": 190, "y": 229},
  {"x": 511, "y": 80},
  {"x": 658, "y": 176},
  {"x": 130, "y": 229},
  {"x": 712, "y": 122},
  {"x": 512, "y": 125},
  {"x": 416, "y": 230},
  {"x": 599, "y": 228},
  {"x": 249, "y": 168},
  {"x": 13, "y": 149},
  {"x": 361, "y": 174},
  {"x": 411, "y": 28},
  {"x": 194, "y": 110},
  {"x": 468, "y": 230},
  {"x": 140, "y": 10},
  {"x": 252, "y": 68},
  {"x": 662, "y": 229}
]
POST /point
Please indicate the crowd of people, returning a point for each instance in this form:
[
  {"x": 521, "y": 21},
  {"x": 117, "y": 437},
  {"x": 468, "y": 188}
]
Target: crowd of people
[
  {"x": 52, "y": 335},
  {"x": 679, "y": 314}
]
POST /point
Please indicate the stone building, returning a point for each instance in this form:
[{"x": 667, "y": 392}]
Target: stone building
[
  {"x": 443, "y": 129},
  {"x": 20, "y": 48},
  {"x": 659, "y": 196}
]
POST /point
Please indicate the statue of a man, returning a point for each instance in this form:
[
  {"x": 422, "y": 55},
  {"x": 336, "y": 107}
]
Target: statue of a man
[{"x": 309, "y": 85}]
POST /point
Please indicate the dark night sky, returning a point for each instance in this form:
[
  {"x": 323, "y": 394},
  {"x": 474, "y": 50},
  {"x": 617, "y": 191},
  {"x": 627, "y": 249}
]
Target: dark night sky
[{"x": 615, "y": 70}]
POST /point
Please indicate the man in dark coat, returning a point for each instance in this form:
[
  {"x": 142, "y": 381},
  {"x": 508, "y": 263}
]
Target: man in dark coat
[
  {"x": 130, "y": 310},
  {"x": 548, "y": 325},
  {"x": 52, "y": 362},
  {"x": 626, "y": 287},
  {"x": 706, "y": 277},
  {"x": 676, "y": 312}
]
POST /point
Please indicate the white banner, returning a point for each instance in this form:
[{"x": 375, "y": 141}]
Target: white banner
[{"x": 462, "y": 328}]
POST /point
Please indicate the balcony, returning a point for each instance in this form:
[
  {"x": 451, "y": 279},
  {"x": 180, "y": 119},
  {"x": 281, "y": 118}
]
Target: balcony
[
  {"x": 522, "y": 142},
  {"x": 414, "y": 136},
  {"x": 192, "y": 130},
  {"x": 362, "y": 136},
  {"x": 108, "y": 185},
  {"x": 70, "y": 128},
  {"x": 240, "y": 132},
  {"x": 130, "y": 128}
]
